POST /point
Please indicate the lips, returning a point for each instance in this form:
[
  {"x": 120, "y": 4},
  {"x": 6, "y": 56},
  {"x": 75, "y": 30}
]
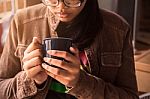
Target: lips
[{"x": 62, "y": 14}]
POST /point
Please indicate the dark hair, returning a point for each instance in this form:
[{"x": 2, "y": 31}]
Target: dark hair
[{"x": 85, "y": 26}]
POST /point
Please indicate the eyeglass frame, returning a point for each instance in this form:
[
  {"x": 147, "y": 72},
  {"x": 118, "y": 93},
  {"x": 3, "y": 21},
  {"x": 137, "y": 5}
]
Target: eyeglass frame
[{"x": 81, "y": 1}]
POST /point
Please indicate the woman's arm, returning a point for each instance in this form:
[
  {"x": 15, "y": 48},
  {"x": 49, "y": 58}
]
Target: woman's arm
[
  {"x": 125, "y": 87},
  {"x": 14, "y": 83}
]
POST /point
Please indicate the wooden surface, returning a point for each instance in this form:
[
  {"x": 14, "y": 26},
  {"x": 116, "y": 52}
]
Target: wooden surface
[
  {"x": 142, "y": 67},
  {"x": 144, "y": 57},
  {"x": 143, "y": 77}
]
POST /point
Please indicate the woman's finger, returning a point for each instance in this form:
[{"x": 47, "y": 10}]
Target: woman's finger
[
  {"x": 35, "y": 53},
  {"x": 35, "y": 44},
  {"x": 65, "y": 81},
  {"x": 59, "y": 63},
  {"x": 65, "y": 55},
  {"x": 56, "y": 71},
  {"x": 32, "y": 72},
  {"x": 75, "y": 51},
  {"x": 32, "y": 63},
  {"x": 59, "y": 78}
]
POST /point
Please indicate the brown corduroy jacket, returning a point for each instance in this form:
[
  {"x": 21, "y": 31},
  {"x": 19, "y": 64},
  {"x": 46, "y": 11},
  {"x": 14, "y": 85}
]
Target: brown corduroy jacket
[{"x": 110, "y": 58}]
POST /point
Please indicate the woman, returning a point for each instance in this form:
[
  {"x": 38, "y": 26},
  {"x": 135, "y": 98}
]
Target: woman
[{"x": 102, "y": 40}]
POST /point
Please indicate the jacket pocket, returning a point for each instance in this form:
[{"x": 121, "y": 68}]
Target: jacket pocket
[
  {"x": 20, "y": 50},
  {"x": 111, "y": 59}
]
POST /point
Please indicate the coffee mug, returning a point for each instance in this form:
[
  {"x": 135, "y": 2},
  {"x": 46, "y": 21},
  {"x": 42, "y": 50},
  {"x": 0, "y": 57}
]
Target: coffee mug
[{"x": 58, "y": 43}]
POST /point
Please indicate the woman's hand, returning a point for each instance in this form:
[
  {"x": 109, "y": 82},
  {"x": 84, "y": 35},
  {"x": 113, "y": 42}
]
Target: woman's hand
[
  {"x": 32, "y": 61},
  {"x": 67, "y": 72}
]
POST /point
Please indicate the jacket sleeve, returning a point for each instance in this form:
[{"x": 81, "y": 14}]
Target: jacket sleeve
[
  {"x": 125, "y": 87},
  {"x": 14, "y": 83}
]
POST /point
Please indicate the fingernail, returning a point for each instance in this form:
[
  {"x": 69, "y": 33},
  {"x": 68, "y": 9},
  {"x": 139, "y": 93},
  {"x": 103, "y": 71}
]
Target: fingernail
[
  {"x": 52, "y": 52},
  {"x": 34, "y": 39},
  {"x": 44, "y": 65},
  {"x": 44, "y": 58}
]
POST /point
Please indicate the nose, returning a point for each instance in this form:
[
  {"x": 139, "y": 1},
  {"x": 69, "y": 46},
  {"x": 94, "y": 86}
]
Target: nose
[{"x": 61, "y": 5}]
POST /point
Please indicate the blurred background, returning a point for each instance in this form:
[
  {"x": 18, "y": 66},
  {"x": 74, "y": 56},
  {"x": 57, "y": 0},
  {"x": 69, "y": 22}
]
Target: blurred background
[{"x": 136, "y": 12}]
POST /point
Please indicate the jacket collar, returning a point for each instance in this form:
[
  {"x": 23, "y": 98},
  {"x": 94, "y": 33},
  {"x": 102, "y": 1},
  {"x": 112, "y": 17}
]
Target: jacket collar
[{"x": 52, "y": 20}]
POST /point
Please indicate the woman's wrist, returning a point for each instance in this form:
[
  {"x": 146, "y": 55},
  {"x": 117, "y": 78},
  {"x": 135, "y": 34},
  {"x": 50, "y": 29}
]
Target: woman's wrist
[{"x": 40, "y": 86}]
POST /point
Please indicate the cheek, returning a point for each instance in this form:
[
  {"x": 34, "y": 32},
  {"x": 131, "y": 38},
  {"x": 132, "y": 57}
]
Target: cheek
[
  {"x": 74, "y": 15},
  {"x": 76, "y": 12}
]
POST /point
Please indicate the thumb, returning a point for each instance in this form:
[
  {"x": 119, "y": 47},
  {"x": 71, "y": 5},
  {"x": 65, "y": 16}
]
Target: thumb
[
  {"x": 35, "y": 44},
  {"x": 36, "y": 40},
  {"x": 75, "y": 51}
]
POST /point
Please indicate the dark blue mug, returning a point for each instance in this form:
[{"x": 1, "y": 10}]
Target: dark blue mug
[{"x": 58, "y": 43}]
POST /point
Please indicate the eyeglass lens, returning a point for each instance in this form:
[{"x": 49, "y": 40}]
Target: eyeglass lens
[{"x": 70, "y": 3}]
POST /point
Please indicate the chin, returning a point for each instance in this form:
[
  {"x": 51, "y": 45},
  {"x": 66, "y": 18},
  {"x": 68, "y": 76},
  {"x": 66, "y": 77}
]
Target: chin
[{"x": 65, "y": 19}]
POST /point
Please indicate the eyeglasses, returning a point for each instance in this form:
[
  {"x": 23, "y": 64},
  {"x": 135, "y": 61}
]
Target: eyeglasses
[{"x": 68, "y": 3}]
